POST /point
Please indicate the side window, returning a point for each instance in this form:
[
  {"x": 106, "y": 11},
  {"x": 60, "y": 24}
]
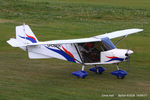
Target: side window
[
  {"x": 107, "y": 44},
  {"x": 90, "y": 51}
]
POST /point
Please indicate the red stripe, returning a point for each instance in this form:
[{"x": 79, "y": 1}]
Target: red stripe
[
  {"x": 31, "y": 37},
  {"x": 111, "y": 57},
  {"x": 69, "y": 53}
]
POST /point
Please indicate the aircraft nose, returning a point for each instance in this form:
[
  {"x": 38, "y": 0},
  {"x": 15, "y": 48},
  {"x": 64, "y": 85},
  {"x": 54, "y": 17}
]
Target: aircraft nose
[{"x": 129, "y": 52}]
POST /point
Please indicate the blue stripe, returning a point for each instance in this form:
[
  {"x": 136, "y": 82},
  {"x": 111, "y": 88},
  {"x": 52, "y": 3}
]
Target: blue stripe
[
  {"x": 120, "y": 59},
  {"x": 69, "y": 58},
  {"x": 29, "y": 38}
]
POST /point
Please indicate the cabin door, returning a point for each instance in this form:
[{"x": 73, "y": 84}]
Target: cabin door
[{"x": 90, "y": 52}]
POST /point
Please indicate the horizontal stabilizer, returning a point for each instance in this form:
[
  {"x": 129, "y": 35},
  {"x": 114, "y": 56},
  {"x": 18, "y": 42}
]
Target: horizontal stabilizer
[{"x": 15, "y": 43}]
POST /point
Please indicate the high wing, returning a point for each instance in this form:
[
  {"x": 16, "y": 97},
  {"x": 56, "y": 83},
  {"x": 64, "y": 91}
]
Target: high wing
[
  {"x": 92, "y": 39},
  {"x": 82, "y": 40},
  {"x": 119, "y": 33}
]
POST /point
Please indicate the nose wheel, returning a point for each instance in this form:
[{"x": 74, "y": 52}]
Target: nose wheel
[{"x": 120, "y": 74}]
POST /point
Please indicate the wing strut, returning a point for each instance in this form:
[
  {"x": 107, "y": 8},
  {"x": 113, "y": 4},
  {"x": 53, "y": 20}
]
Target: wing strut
[
  {"x": 120, "y": 40},
  {"x": 79, "y": 54}
]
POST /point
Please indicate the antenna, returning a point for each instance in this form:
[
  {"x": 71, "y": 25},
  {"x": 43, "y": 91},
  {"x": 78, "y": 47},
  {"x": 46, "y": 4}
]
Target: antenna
[{"x": 24, "y": 30}]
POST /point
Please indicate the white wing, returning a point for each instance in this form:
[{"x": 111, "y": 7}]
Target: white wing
[
  {"x": 92, "y": 39},
  {"x": 82, "y": 40},
  {"x": 119, "y": 33}
]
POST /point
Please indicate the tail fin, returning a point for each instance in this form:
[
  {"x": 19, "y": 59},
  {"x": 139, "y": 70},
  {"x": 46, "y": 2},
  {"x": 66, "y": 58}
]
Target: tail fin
[{"x": 24, "y": 36}]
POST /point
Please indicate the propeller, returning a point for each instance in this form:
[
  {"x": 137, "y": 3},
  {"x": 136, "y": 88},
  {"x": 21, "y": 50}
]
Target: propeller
[{"x": 128, "y": 53}]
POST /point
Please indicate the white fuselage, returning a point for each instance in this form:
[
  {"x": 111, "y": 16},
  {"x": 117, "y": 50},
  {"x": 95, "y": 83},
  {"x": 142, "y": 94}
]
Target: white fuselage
[{"x": 106, "y": 57}]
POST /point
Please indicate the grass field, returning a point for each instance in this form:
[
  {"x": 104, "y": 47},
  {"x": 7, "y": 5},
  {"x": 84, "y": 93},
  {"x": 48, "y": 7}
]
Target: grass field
[{"x": 51, "y": 79}]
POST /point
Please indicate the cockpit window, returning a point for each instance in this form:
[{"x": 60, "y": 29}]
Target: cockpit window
[
  {"x": 107, "y": 44},
  {"x": 91, "y": 51}
]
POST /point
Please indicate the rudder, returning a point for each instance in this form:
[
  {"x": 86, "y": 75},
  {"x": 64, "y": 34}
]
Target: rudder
[{"x": 24, "y": 34}]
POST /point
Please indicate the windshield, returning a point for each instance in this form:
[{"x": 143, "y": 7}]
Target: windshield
[{"x": 107, "y": 44}]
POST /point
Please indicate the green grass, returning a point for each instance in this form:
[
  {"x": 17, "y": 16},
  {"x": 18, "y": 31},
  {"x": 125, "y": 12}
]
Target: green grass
[{"x": 51, "y": 79}]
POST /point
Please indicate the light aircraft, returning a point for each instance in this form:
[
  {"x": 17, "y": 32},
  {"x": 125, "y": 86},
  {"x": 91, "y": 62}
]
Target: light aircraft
[{"x": 95, "y": 50}]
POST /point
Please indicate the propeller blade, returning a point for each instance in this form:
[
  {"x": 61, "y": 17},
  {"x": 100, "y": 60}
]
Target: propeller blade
[
  {"x": 128, "y": 62},
  {"x": 128, "y": 58}
]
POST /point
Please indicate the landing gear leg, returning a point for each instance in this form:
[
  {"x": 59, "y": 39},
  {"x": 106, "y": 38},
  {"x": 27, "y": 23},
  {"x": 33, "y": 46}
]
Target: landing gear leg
[
  {"x": 120, "y": 74},
  {"x": 83, "y": 67},
  {"x": 117, "y": 66}
]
